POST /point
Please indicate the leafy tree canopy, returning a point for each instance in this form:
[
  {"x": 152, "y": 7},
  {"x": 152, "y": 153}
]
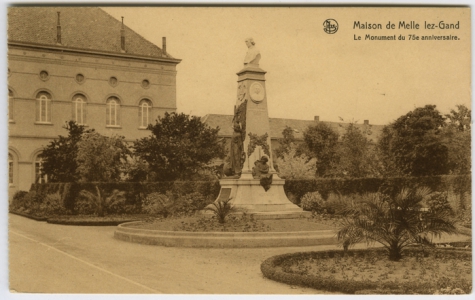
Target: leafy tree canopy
[
  {"x": 294, "y": 166},
  {"x": 59, "y": 157},
  {"x": 457, "y": 138},
  {"x": 322, "y": 142},
  {"x": 179, "y": 147},
  {"x": 101, "y": 158},
  {"x": 357, "y": 158},
  {"x": 412, "y": 144}
]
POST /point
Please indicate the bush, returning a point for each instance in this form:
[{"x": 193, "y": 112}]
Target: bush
[
  {"x": 188, "y": 204},
  {"x": 438, "y": 202},
  {"x": 18, "y": 200},
  {"x": 52, "y": 205},
  {"x": 313, "y": 202},
  {"x": 156, "y": 204}
]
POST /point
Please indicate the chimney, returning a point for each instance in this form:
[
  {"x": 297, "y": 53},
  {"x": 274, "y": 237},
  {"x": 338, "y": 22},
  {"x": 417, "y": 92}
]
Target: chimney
[
  {"x": 164, "y": 46},
  {"x": 58, "y": 31},
  {"x": 122, "y": 37},
  {"x": 316, "y": 119},
  {"x": 366, "y": 122}
]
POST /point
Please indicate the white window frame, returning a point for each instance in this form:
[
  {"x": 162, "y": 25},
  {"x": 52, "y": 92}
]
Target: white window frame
[
  {"x": 44, "y": 105},
  {"x": 79, "y": 109},
  {"x": 113, "y": 106},
  {"x": 144, "y": 113}
]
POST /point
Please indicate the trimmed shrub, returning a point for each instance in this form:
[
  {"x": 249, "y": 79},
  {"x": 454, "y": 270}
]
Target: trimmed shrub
[{"x": 313, "y": 202}]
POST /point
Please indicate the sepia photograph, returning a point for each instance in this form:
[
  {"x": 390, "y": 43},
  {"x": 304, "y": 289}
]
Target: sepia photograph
[{"x": 227, "y": 150}]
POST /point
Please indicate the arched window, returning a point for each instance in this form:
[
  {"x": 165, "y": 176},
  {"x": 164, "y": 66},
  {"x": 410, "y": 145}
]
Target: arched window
[
  {"x": 10, "y": 105},
  {"x": 10, "y": 169},
  {"x": 43, "y": 107},
  {"x": 145, "y": 108},
  {"x": 40, "y": 177},
  {"x": 79, "y": 109},
  {"x": 112, "y": 111}
]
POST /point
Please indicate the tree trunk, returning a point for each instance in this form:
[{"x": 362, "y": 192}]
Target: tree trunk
[
  {"x": 100, "y": 204},
  {"x": 395, "y": 253}
]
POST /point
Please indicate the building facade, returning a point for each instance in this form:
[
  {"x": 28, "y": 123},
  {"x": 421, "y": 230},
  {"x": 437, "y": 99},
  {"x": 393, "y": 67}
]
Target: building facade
[{"x": 81, "y": 64}]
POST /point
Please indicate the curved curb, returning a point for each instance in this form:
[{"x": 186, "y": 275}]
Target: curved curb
[
  {"x": 41, "y": 219},
  {"x": 87, "y": 223},
  {"x": 223, "y": 239}
]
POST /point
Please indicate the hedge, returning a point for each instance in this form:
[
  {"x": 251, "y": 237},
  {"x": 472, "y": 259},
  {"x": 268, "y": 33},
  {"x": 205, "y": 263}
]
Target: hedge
[
  {"x": 135, "y": 192},
  {"x": 272, "y": 268},
  {"x": 459, "y": 184}
]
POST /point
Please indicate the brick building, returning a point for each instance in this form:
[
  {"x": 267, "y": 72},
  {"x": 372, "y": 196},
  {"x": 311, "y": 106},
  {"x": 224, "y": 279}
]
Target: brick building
[{"x": 79, "y": 63}]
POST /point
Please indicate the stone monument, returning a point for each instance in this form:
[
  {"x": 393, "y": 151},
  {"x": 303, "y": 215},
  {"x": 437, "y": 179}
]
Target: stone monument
[{"x": 250, "y": 178}]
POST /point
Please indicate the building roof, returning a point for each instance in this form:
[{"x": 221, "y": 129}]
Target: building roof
[
  {"x": 87, "y": 28},
  {"x": 277, "y": 125}
]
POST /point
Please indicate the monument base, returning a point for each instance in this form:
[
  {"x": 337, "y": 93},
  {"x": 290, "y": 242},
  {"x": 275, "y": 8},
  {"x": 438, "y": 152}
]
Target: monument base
[{"x": 248, "y": 196}]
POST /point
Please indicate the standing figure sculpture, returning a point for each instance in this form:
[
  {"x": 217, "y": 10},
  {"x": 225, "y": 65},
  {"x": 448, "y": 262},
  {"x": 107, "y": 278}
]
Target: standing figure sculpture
[
  {"x": 253, "y": 56},
  {"x": 233, "y": 167}
]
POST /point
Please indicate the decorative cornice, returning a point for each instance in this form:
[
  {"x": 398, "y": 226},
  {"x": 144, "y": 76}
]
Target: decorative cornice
[{"x": 63, "y": 49}]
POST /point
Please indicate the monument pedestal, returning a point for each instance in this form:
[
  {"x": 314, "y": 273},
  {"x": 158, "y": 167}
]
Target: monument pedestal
[{"x": 248, "y": 196}]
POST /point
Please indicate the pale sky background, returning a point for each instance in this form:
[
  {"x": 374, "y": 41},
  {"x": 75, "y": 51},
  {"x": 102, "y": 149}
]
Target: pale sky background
[{"x": 310, "y": 72}]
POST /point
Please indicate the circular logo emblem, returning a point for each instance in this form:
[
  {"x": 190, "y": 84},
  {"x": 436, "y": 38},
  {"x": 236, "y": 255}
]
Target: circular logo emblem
[
  {"x": 330, "y": 26},
  {"x": 257, "y": 92}
]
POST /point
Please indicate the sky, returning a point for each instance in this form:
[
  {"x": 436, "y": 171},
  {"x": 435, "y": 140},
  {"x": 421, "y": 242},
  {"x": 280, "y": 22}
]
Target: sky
[{"x": 309, "y": 72}]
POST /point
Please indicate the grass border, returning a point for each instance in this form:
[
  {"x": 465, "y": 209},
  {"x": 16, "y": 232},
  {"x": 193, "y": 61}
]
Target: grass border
[{"x": 269, "y": 269}]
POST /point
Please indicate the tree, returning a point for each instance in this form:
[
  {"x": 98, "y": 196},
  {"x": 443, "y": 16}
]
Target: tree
[
  {"x": 395, "y": 222},
  {"x": 59, "y": 157},
  {"x": 457, "y": 138},
  {"x": 461, "y": 119},
  {"x": 100, "y": 158},
  {"x": 293, "y": 166},
  {"x": 322, "y": 142},
  {"x": 179, "y": 147},
  {"x": 357, "y": 158},
  {"x": 286, "y": 142},
  {"x": 412, "y": 145}
]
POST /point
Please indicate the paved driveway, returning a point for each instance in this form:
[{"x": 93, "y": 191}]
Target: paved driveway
[{"x": 48, "y": 258}]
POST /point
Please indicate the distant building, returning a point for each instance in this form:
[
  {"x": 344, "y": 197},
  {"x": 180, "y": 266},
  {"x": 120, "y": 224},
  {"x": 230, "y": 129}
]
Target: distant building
[
  {"x": 277, "y": 125},
  {"x": 79, "y": 63}
]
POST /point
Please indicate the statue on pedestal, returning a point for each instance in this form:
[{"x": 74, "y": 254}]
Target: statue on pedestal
[{"x": 253, "y": 55}]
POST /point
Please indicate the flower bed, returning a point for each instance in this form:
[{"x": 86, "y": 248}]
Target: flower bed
[
  {"x": 234, "y": 224},
  {"x": 370, "y": 272}
]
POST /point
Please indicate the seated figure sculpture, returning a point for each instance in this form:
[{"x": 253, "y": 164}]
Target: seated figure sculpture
[
  {"x": 261, "y": 171},
  {"x": 260, "y": 167}
]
